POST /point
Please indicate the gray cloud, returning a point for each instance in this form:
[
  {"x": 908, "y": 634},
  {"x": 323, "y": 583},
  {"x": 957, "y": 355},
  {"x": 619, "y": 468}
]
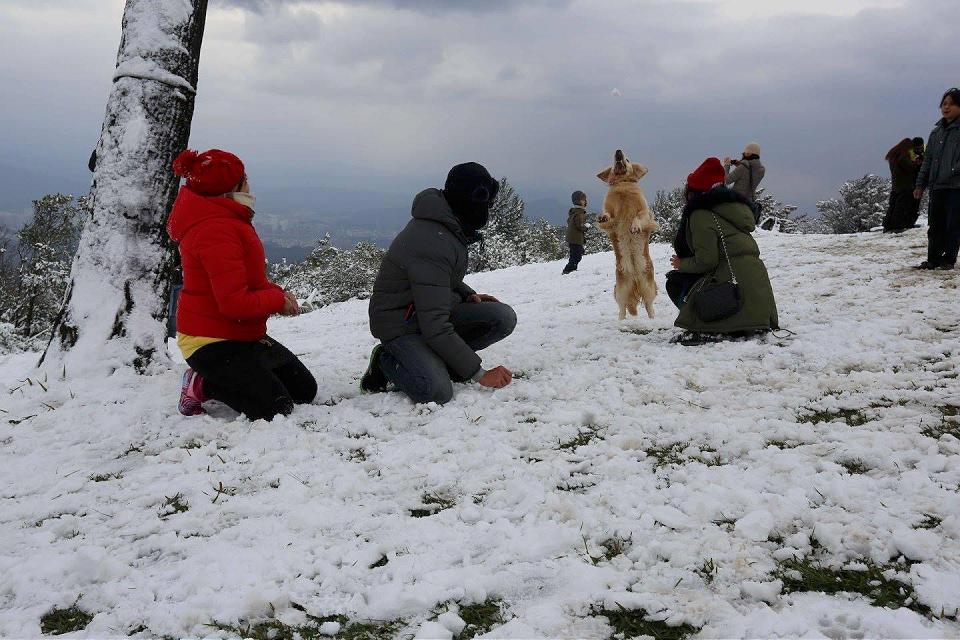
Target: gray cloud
[
  {"x": 424, "y": 6},
  {"x": 371, "y": 95}
]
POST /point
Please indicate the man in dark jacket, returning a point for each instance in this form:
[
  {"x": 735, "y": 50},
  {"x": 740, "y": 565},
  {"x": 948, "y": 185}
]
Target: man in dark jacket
[
  {"x": 576, "y": 230},
  {"x": 940, "y": 172},
  {"x": 429, "y": 322}
]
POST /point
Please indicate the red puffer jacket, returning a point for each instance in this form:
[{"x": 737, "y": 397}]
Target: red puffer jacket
[{"x": 225, "y": 292}]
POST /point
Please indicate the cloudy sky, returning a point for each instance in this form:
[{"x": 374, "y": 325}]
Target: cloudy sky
[{"x": 385, "y": 95}]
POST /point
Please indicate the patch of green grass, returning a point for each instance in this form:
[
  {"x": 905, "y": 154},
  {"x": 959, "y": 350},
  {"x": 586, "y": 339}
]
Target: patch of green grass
[
  {"x": 382, "y": 562},
  {"x": 707, "y": 570},
  {"x": 929, "y": 522},
  {"x": 633, "y": 623},
  {"x": 616, "y": 545},
  {"x": 949, "y": 410},
  {"x": 529, "y": 420},
  {"x": 432, "y": 503},
  {"x": 104, "y": 477},
  {"x": 853, "y": 417},
  {"x": 357, "y": 455},
  {"x": 946, "y": 427},
  {"x": 668, "y": 455},
  {"x": 276, "y": 630},
  {"x": 481, "y": 617},
  {"x": 806, "y": 575},
  {"x": 59, "y": 621},
  {"x": 584, "y": 436},
  {"x": 784, "y": 444},
  {"x": 637, "y": 331},
  {"x": 854, "y": 466},
  {"x": 172, "y": 505}
]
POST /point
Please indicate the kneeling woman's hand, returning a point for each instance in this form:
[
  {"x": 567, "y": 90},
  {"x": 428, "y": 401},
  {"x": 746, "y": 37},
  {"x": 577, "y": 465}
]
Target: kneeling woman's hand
[{"x": 290, "y": 305}]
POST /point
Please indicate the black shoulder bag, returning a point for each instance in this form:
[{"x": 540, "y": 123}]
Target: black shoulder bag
[{"x": 718, "y": 300}]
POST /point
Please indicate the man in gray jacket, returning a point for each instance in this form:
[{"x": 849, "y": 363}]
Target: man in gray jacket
[
  {"x": 746, "y": 174},
  {"x": 940, "y": 172},
  {"x": 429, "y": 322}
]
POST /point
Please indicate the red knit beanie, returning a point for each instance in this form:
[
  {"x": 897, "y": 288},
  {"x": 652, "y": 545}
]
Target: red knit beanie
[
  {"x": 211, "y": 173},
  {"x": 707, "y": 176}
]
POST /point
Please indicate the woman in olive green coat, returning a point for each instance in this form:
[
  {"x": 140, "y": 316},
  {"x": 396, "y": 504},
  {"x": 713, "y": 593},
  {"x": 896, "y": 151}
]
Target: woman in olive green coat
[{"x": 714, "y": 212}]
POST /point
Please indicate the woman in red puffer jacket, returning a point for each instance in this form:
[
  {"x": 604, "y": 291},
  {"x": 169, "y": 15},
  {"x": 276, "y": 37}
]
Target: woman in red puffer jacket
[{"x": 226, "y": 297}]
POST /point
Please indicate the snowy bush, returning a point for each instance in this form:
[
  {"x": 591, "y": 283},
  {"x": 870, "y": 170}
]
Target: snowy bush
[
  {"x": 330, "y": 274},
  {"x": 511, "y": 239},
  {"x": 667, "y": 209},
  {"x": 861, "y": 205},
  {"x": 783, "y": 218}
]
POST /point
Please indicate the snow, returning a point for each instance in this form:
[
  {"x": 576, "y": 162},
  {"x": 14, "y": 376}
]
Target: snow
[{"x": 311, "y": 503}]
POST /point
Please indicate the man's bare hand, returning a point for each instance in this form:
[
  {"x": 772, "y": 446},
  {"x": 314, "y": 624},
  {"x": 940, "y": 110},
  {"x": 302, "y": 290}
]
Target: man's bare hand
[
  {"x": 918, "y": 193},
  {"x": 481, "y": 297},
  {"x": 497, "y": 378},
  {"x": 675, "y": 262}
]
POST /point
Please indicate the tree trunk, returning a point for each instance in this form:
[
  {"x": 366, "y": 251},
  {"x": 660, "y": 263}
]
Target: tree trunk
[{"x": 115, "y": 309}]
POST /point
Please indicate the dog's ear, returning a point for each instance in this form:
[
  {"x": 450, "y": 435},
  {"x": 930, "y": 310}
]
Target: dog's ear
[
  {"x": 605, "y": 175},
  {"x": 639, "y": 169}
]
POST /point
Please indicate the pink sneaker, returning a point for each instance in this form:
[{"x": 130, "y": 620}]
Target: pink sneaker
[{"x": 191, "y": 394}]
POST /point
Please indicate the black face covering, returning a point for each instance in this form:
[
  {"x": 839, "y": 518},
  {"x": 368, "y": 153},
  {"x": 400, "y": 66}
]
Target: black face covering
[{"x": 470, "y": 190}]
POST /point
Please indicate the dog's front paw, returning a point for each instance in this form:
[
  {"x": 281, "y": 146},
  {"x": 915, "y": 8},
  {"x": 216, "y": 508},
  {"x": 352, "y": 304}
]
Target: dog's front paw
[
  {"x": 603, "y": 217},
  {"x": 636, "y": 226}
]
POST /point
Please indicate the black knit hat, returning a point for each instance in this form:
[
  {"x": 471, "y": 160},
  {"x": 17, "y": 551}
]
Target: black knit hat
[
  {"x": 578, "y": 197},
  {"x": 471, "y": 182},
  {"x": 470, "y": 190}
]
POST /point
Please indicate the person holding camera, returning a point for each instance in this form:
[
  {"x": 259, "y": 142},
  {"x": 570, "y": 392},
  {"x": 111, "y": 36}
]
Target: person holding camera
[{"x": 744, "y": 175}]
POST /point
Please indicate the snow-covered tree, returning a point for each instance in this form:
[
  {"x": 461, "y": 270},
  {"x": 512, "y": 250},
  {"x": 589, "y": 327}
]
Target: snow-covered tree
[
  {"x": 860, "y": 206},
  {"x": 506, "y": 234},
  {"x": 45, "y": 246},
  {"x": 329, "y": 274},
  {"x": 546, "y": 242},
  {"x": 667, "y": 209},
  {"x": 783, "y": 218},
  {"x": 116, "y": 306}
]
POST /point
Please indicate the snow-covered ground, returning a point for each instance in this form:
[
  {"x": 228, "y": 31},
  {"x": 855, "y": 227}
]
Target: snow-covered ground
[{"x": 712, "y": 465}]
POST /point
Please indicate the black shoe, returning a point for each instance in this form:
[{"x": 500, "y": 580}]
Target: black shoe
[
  {"x": 926, "y": 265},
  {"x": 374, "y": 380},
  {"x": 946, "y": 267},
  {"x": 567, "y": 270}
]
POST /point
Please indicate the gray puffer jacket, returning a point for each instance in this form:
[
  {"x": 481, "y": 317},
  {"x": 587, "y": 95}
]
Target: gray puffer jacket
[
  {"x": 740, "y": 176},
  {"x": 941, "y": 162},
  {"x": 421, "y": 279}
]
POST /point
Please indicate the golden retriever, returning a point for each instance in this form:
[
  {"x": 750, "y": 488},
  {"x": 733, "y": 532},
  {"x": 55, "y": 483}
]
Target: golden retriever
[{"x": 627, "y": 220}]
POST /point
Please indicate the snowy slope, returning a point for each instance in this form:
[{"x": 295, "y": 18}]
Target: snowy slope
[{"x": 745, "y": 477}]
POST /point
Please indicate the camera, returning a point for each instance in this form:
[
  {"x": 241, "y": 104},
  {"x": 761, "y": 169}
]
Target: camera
[{"x": 734, "y": 162}]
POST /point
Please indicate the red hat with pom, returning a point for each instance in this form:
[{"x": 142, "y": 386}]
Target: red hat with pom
[
  {"x": 211, "y": 173},
  {"x": 707, "y": 176}
]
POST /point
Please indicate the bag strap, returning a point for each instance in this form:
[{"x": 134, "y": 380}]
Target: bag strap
[{"x": 723, "y": 243}]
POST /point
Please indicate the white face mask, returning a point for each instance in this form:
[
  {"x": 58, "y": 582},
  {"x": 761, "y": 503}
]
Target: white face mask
[{"x": 246, "y": 199}]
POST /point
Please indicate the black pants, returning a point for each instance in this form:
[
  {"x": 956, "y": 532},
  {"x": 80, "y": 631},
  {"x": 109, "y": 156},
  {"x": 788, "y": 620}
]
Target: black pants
[
  {"x": 259, "y": 379},
  {"x": 901, "y": 212},
  {"x": 679, "y": 285},
  {"x": 576, "y": 255},
  {"x": 944, "y": 231}
]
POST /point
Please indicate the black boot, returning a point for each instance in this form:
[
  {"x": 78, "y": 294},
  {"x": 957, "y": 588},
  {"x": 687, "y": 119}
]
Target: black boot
[{"x": 374, "y": 380}]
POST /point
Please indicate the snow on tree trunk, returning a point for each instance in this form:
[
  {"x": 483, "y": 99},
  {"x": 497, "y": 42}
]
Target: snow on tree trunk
[{"x": 115, "y": 309}]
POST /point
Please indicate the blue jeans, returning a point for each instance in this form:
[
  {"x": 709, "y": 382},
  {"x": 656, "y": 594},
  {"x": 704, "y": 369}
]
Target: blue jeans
[
  {"x": 944, "y": 233},
  {"x": 416, "y": 369}
]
